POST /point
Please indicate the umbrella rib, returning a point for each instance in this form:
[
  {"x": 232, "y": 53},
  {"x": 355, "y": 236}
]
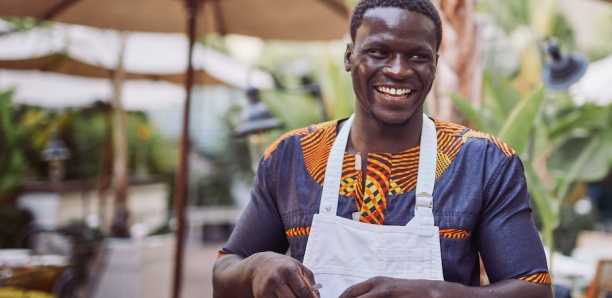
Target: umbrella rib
[
  {"x": 61, "y": 7},
  {"x": 219, "y": 18},
  {"x": 338, "y": 8},
  {"x": 55, "y": 63}
]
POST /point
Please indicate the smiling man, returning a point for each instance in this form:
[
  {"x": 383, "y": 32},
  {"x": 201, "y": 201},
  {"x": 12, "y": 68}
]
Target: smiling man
[{"x": 387, "y": 203}]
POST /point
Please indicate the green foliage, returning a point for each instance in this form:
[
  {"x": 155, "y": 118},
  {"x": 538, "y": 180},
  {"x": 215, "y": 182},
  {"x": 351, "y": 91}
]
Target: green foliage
[
  {"x": 85, "y": 131},
  {"x": 148, "y": 152},
  {"x": 581, "y": 138},
  {"x": 25, "y": 24},
  {"x": 562, "y": 30},
  {"x": 14, "y": 135},
  {"x": 27, "y": 130},
  {"x": 317, "y": 62},
  {"x": 520, "y": 121},
  {"x": 214, "y": 41},
  {"x": 337, "y": 87},
  {"x": 507, "y": 14}
]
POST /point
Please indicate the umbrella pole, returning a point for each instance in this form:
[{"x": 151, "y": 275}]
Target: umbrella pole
[
  {"x": 119, "y": 227},
  {"x": 180, "y": 194}
]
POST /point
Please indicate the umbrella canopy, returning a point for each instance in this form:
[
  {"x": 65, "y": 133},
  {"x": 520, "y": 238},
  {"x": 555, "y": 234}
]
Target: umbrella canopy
[
  {"x": 269, "y": 19},
  {"x": 53, "y": 90},
  {"x": 595, "y": 84},
  {"x": 92, "y": 52}
]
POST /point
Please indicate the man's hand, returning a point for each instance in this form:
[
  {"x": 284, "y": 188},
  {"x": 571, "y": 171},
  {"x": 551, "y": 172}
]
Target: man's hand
[
  {"x": 276, "y": 275},
  {"x": 262, "y": 275},
  {"x": 393, "y": 287}
]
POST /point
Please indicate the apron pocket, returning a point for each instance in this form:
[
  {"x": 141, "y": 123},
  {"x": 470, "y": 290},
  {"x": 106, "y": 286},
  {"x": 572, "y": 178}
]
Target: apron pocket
[{"x": 404, "y": 263}]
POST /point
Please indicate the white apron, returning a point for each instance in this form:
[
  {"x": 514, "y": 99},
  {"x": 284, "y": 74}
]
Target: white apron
[{"x": 343, "y": 252}]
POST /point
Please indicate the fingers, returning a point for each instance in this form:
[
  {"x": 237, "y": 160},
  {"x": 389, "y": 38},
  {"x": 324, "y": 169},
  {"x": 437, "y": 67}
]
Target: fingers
[
  {"x": 359, "y": 289},
  {"x": 301, "y": 284},
  {"x": 308, "y": 275},
  {"x": 285, "y": 292}
]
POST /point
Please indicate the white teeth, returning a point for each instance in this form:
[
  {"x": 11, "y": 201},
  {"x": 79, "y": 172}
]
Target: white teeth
[{"x": 394, "y": 91}]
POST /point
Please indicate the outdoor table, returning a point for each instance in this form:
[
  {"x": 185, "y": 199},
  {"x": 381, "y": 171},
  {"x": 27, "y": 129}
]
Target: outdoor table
[{"x": 31, "y": 276}]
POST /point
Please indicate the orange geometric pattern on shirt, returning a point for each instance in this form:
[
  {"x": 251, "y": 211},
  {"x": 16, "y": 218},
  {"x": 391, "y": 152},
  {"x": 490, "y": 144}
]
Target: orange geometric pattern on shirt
[
  {"x": 538, "y": 278},
  {"x": 299, "y": 231},
  {"x": 481, "y": 135},
  {"x": 274, "y": 146},
  {"x": 454, "y": 233},
  {"x": 316, "y": 147},
  {"x": 376, "y": 189},
  {"x": 300, "y": 132},
  {"x": 350, "y": 176}
]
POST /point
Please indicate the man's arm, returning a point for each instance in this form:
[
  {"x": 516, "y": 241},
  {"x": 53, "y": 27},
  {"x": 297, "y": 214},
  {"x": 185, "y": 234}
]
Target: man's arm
[
  {"x": 264, "y": 274},
  {"x": 393, "y": 287}
]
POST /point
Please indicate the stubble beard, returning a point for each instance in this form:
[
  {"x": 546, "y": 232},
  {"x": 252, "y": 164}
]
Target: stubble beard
[{"x": 382, "y": 124}]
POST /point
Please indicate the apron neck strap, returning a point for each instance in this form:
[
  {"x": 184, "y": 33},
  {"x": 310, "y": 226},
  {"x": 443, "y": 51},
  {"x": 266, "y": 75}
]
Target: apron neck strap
[
  {"x": 423, "y": 209},
  {"x": 333, "y": 172},
  {"x": 427, "y": 164}
]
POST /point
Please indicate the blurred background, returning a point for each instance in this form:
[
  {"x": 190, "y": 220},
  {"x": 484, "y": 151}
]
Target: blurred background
[{"x": 130, "y": 130}]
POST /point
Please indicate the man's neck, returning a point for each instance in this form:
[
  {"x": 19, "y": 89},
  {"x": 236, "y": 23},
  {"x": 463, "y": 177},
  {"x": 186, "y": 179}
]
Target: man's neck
[{"x": 367, "y": 136}]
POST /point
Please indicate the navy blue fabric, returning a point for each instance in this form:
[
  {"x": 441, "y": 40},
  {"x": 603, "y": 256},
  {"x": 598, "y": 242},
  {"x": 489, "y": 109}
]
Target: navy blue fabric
[{"x": 483, "y": 191}]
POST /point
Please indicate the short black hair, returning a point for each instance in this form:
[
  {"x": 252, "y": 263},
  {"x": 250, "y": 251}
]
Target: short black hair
[{"x": 424, "y": 7}]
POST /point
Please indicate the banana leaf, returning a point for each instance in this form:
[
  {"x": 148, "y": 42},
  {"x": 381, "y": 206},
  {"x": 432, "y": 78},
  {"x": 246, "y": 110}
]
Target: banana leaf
[
  {"x": 586, "y": 117},
  {"x": 547, "y": 204},
  {"x": 473, "y": 115},
  {"x": 520, "y": 123},
  {"x": 582, "y": 158}
]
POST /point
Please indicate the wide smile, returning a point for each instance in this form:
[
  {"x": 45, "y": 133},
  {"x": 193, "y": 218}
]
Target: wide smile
[{"x": 393, "y": 93}]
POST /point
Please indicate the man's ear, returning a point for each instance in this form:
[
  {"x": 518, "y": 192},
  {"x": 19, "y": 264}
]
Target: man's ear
[
  {"x": 437, "y": 58},
  {"x": 347, "y": 56}
]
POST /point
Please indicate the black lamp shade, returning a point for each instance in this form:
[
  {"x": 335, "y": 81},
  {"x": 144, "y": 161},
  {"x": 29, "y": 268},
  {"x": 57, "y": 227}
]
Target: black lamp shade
[
  {"x": 256, "y": 117},
  {"x": 56, "y": 150},
  {"x": 563, "y": 70}
]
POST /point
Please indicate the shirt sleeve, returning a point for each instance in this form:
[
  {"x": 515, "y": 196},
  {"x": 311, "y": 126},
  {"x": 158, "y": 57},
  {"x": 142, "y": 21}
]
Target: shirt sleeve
[
  {"x": 260, "y": 228},
  {"x": 507, "y": 239}
]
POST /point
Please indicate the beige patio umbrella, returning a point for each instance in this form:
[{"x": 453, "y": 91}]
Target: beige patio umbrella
[{"x": 269, "y": 19}]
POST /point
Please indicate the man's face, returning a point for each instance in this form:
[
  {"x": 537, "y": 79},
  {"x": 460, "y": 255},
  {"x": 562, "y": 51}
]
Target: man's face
[{"x": 392, "y": 63}]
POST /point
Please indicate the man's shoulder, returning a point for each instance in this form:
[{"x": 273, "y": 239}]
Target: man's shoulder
[
  {"x": 313, "y": 133},
  {"x": 470, "y": 139}
]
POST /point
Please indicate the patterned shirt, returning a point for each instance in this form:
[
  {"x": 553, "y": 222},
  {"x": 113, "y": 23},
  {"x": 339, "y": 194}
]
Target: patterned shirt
[{"x": 481, "y": 202}]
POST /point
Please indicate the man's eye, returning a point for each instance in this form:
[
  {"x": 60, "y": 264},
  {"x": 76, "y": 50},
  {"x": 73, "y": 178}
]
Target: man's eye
[
  {"x": 420, "y": 57},
  {"x": 378, "y": 52}
]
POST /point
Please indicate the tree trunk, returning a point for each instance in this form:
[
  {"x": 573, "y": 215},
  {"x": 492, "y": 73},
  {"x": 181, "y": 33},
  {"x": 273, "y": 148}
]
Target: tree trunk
[{"x": 459, "y": 66}]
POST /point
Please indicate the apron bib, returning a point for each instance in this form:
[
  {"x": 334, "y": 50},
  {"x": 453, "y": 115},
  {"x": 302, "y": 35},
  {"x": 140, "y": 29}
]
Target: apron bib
[{"x": 343, "y": 252}]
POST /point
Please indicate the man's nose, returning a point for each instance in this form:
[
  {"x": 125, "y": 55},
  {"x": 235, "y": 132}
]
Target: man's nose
[{"x": 397, "y": 68}]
